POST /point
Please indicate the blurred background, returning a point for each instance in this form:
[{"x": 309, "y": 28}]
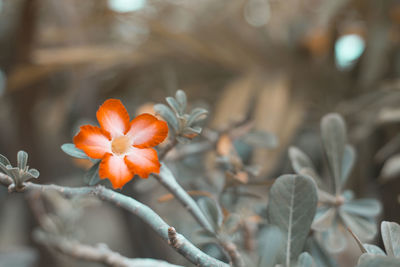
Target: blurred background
[{"x": 280, "y": 64}]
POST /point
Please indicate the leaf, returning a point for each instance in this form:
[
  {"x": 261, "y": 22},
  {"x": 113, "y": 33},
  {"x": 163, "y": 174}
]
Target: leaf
[
  {"x": 374, "y": 250},
  {"x": 4, "y": 169},
  {"x": 391, "y": 238},
  {"x": 334, "y": 239},
  {"x": 92, "y": 175},
  {"x": 324, "y": 219},
  {"x": 333, "y": 131},
  {"x": 261, "y": 139},
  {"x": 174, "y": 105},
  {"x": 292, "y": 206},
  {"x": 367, "y": 260},
  {"x": 168, "y": 115},
  {"x": 299, "y": 160},
  {"x": 367, "y": 207},
  {"x": 305, "y": 260},
  {"x": 197, "y": 115},
  {"x": 35, "y": 173},
  {"x": 4, "y": 160},
  {"x": 212, "y": 211},
  {"x": 191, "y": 132},
  {"x": 73, "y": 151},
  {"x": 270, "y": 243},
  {"x": 319, "y": 254},
  {"x": 182, "y": 100},
  {"x": 349, "y": 157},
  {"x": 391, "y": 168},
  {"x": 302, "y": 164},
  {"x": 359, "y": 225},
  {"x": 22, "y": 159}
]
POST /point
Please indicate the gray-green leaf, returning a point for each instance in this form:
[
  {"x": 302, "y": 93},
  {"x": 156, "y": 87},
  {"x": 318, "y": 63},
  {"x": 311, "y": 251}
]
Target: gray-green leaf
[
  {"x": 361, "y": 226},
  {"x": 22, "y": 159},
  {"x": 367, "y": 207},
  {"x": 367, "y": 260},
  {"x": 4, "y": 160},
  {"x": 174, "y": 105},
  {"x": 92, "y": 176},
  {"x": 349, "y": 157},
  {"x": 391, "y": 238},
  {"x": 196, "y": 115},
  {"x": 305, "y": 260},
  {"x": 73, "y": 151},
  {"x": 168, "y": 116},
  {"x": 333, "y": 131},
  {"x": 374, "y": 250},
  {"x": 212, "y": 211},
  {"x": 270, "y": 243},
  {"x": 292, "y": 206},
  {"x": 182, "y": 100}
]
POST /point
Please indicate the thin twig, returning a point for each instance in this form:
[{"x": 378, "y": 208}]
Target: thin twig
[
  {"x": 236, "y": 258},
  {"x": 167, "y": 148},
  {"x": 98, "y": 253},
  {"x": 167, "y": 179},
  {"x": 146, "y": 214}
]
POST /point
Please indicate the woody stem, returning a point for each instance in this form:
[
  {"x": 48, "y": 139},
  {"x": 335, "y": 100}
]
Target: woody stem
[{"x": 146, "y": 214}]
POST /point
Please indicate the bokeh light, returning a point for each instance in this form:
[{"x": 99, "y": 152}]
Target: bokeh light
[
  {"x": 124, "y": 6},
  {"x": 257, "y": 12},
  {"x": 348, "y": 48}
]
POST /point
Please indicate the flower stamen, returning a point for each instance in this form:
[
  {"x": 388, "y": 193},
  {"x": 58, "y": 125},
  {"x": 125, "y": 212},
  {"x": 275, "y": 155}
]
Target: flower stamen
[{"x": 121, "y": 144}]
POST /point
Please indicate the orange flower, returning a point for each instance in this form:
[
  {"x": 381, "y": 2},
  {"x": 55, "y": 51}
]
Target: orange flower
[{"x": 124, "y": 147}]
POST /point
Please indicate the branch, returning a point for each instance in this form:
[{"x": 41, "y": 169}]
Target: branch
[
  {"x": 167, "y": 179},
  {"x": 187, "y": 249},
  {"x": 98, "y": 253},
  {"x": 167, "y": 148}
]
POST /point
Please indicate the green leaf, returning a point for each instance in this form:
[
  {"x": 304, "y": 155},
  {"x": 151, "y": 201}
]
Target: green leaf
[
  {"x": 73, "y": 151},
  {"x": 174, "y": 105},
  {"x": 367, "y": 207},
  {"x": 374, "y": 250},
  {"x": 261, "y": 139},
  {"x": 22, "y": 159},
  {"x": 197, "y": 115},
  {"x": 333, "y": 131},
  {"x": 4, "y": 160},
  {"x": 35, "y": 173},
  {"x": 391, "y": 238},
  {"x": 367, "y": 260},
  {"x": 212, "y": 211},
  {"x": 292, "y": 206},
  {"x": 361, "y": 227},
  {"x": 188, "y": 131},
  {"x": 168, "y": 116},
  {"x": 305, "y": 260},
  {"x": 270, "y": 243},
  {"x": 324, "y": 219},
  {"x": 4, "y": 169},
  {"x": 334, "y": 239},
  {"x": 319, "y": 254},
  {"x": 92, "y": 175},
  {"x": 182, "y": 100},
  {"x": 349, "y": 157},
  {"x": 302, "y": 164}
]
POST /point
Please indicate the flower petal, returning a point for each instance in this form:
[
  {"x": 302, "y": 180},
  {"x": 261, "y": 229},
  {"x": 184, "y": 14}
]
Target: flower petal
[
  {"x": 113, "y": 117},
  {"x": 115, "y": 169},
  {"x": 94, "y": 141},
  {"x": 143, "y": 161},
  {"x": 147, "y": 131}
]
